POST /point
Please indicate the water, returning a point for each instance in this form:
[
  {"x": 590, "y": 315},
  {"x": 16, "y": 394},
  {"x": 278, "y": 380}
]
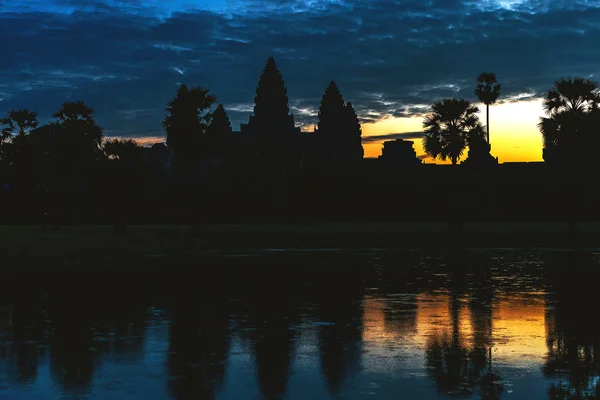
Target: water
[{"x": 374, "y": 323}]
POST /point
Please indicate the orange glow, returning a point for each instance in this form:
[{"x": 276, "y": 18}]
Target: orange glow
[
  {"x": 143, "y": 140},
  {"x": 514, "y": 133},
  {"x": 375, "y": 329},
  {"x": 518, "y": 325}
]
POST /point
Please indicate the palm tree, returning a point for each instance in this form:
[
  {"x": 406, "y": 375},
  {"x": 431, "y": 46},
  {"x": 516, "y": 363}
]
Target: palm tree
[
  {"x": 488, "y": 90},
  {"x": 449, "y": 128},
  {"x": 123, "y": 176},
  {"x": 17, "y": 146},
  {"x": 127, "y": 150},
  {"x": 78, "y": 138},
  {"x": 18, "y": 123},
  {"x": 572, "y": 109},
  {"x": 187, "y": 119}
]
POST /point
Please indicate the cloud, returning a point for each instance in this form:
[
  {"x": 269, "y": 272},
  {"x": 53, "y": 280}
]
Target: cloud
[
  {"x": 393, "y": 136},
  {"x": 389, "y": 58}
]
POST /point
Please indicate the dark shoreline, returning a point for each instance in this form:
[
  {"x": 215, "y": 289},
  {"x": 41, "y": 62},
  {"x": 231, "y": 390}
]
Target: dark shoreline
[{"x": 181, "y": 241}]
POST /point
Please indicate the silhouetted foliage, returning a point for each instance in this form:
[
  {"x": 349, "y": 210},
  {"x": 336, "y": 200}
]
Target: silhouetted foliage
[
  {"x": 18, "y": 123},
  {"x": 18, "y": 149},
  {"x": 77, "y": 136},
  {"x": 186, "y": 121},
  {"x": 488, "y": 91},
  {"x": 124, "y": 175},
  {"x": 450, "y": 126},
  {"x": 572, "y": 107},
  {"x": 572, "y": 335}
]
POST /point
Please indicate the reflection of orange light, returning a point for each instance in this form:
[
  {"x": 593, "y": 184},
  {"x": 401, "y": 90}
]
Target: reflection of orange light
[
  {"x": 433, "y": 317},
  {"x": 518, "y": 325},
  {"x": 374, "y": 322}
]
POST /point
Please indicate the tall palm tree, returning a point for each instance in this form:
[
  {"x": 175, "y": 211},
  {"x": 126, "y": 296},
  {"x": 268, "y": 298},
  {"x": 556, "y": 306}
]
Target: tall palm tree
[
  {"x": 18, "y": 123},
  {"x": 488, "y": 91},
  {"x": 572, "y": 107},
  {"x": 78, "y": 138},
  {"x": 186, "y": 120},
  {"x": 16, "y": 145},
  {"x": 449, "y": 128}
]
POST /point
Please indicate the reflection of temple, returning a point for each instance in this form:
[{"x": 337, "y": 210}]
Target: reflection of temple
[
  {"x": 270, "y": 332},
  {"x": 340, "y": 335},
  {"x": 198, "y": 347}
]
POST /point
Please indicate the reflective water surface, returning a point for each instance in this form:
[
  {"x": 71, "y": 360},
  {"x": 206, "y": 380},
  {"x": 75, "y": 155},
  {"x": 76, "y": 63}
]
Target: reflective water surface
[{"x": 477, "y": 324}]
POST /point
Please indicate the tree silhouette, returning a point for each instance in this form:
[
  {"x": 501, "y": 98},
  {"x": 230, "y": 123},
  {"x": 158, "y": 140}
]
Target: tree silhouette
[
  {"x": 572, "y": 340},
  {"x": 17, "y": 146},
  {"x": 18, "y": 123},
  {"x": 450, "y": 126},
  {"x": 186, "y": 121},
  {"x": 573, "y": 115},
  {"x": 488, "y": 91},
  {"x": 124, "y": 174},
  {"x": 126, "y": 150},
  {"x": 78, "y": 138},
  {"x": 219, "y": 128}
]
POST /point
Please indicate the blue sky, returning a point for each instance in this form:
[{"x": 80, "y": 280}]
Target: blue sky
[{"x": 390, "y": 58}]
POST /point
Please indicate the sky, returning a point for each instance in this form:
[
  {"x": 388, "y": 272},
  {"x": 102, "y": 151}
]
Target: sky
[{"x": 391, "y": 59}]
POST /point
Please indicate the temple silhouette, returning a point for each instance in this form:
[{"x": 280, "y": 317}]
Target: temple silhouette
[{"x": 66, "y": 172}]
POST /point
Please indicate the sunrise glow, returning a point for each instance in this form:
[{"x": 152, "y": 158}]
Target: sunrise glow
[{"x": 514, "y": 134}]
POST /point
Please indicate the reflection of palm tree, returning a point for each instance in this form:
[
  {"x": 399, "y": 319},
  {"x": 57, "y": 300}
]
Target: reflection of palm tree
[
  {"x": 572, "y": 335},
  {"x": 72, "y": 347},
  {"x": 448, "y": 358},
  {"x": 28, "y": 327},
  {"x": 450, "y": 126},
  {"x": 455, "y": 368},
  {"x": 481, "y": 312}
]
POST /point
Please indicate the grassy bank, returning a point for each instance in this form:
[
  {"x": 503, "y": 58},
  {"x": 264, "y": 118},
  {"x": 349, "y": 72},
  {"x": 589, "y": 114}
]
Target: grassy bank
[{"x": 76, "y": 243}]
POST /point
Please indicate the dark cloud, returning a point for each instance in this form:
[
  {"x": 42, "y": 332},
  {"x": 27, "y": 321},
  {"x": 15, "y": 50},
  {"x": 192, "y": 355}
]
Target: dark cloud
[
  {"x": 393, "y": 136},
  {"x": 389, "y": 58}
]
